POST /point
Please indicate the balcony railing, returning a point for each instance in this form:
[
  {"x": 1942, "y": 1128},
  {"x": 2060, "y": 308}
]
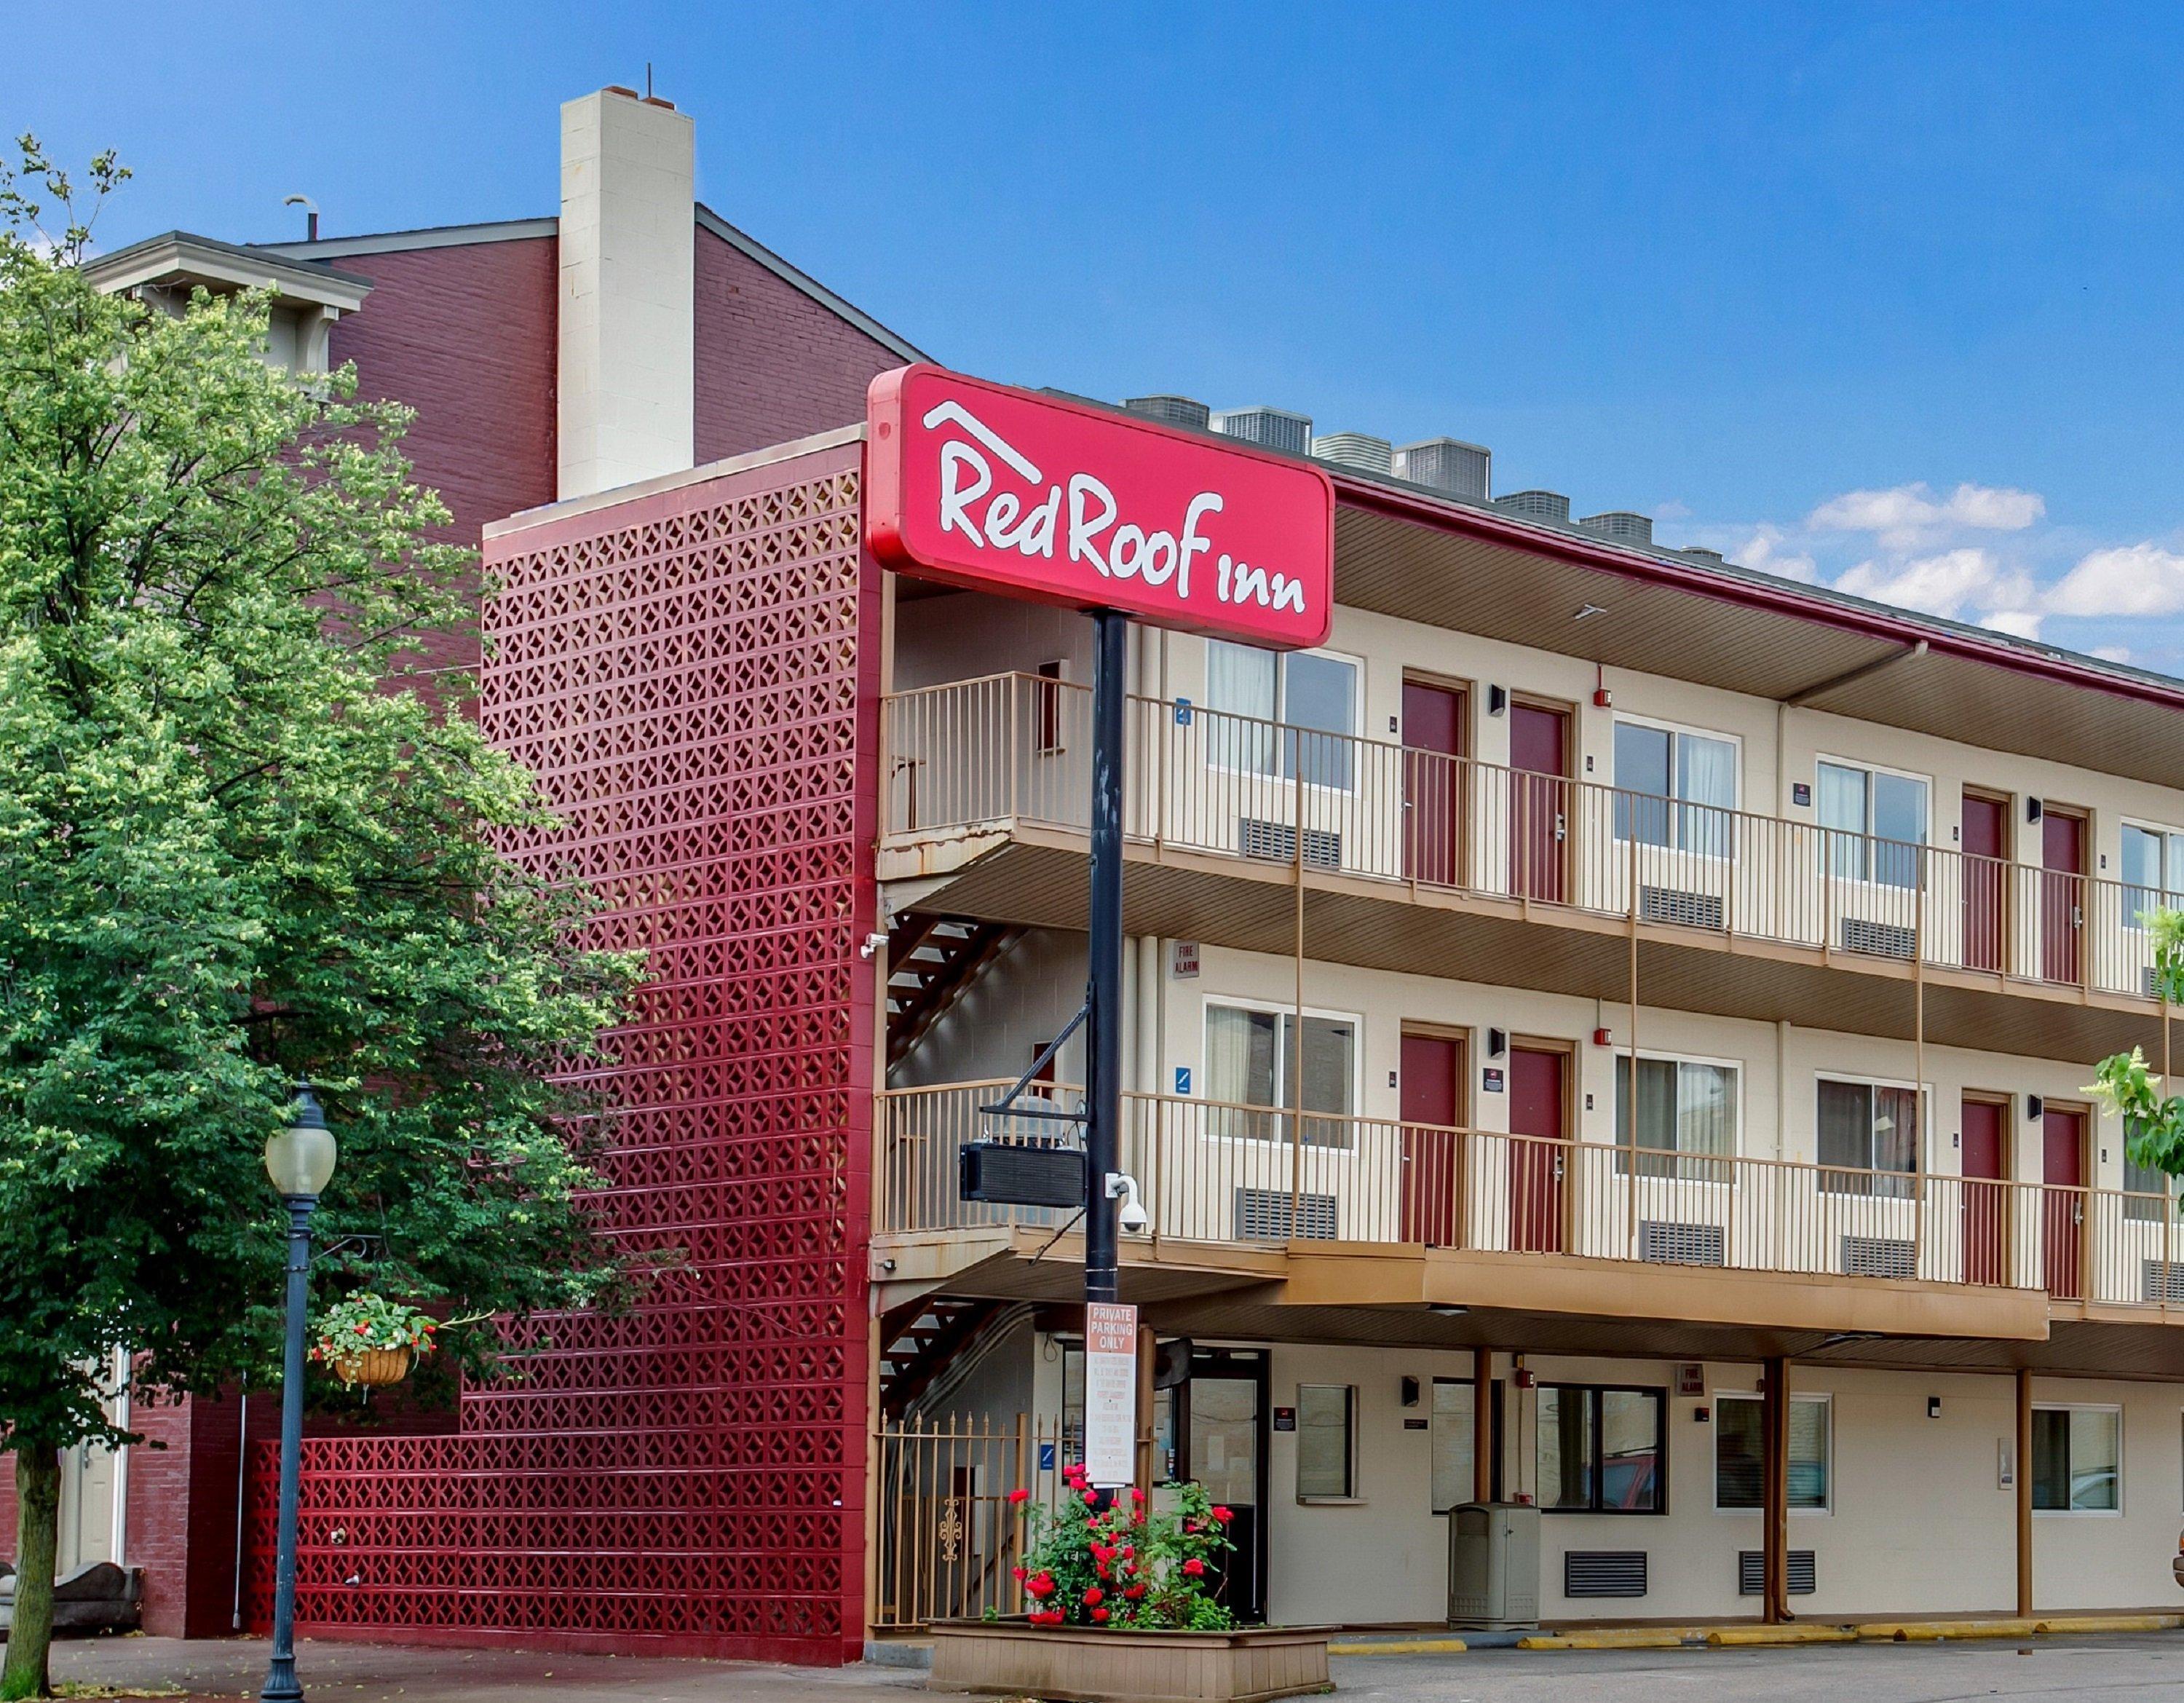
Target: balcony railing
[
  {"x": 1256, "y": 1175},
  {"x": 1015, "y": 749}
]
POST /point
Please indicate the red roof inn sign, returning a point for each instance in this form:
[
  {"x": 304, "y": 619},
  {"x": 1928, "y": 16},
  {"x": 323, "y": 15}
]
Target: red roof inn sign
[{"x": 1008, "y": 491}]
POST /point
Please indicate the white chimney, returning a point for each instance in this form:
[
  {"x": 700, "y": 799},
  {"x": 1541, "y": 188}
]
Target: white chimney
[{"x": 626, "y": 342}]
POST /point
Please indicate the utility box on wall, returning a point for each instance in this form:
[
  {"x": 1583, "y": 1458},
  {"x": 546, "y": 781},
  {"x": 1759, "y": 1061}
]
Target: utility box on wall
[{"x": 1493, "y": 1565}]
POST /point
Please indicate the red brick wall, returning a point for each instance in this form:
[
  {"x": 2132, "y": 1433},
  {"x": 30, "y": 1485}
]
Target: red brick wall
[
  {"x": 773, "y": 364},
  {"x": 466, "y": 336}
]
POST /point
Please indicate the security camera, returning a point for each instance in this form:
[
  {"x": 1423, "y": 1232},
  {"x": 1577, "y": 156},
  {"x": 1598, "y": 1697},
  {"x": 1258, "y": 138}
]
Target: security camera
[{"x": 1132, "y": 1217}]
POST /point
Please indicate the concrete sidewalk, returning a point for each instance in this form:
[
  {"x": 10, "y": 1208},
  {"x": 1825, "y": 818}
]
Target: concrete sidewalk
[{"x": 344, "y": 1673}]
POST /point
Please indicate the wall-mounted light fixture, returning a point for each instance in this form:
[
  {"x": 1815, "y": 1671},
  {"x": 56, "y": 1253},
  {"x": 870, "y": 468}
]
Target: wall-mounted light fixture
[
  {"x": 2034, "y": 1106},
  {"x": 2032, "y": 811},
  {"x": 1933, "y": 1407},
  {"x": 1497, "y": 1043},
  {"x": 1497, "y": 699},
  {"x": 1410, "y": 1392}
]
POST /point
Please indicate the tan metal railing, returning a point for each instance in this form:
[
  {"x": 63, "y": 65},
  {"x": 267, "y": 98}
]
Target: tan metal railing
[
  {"x": 949, "y": 1534},
  {"x": 1016, "y": 748},
  {"x": 1213, "y": 1172}
]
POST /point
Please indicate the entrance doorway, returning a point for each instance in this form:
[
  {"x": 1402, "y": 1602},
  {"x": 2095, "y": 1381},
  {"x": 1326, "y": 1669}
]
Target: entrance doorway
[
  {"x": 1433, "y": 783},
  {"x": 2062, "y": 1209},
  {"x": 1540, "y": 800},
  {"x": 1985, "y": 866},
  {"x": 1539, "y": 1107},
  {"x": 1215, "y": 1432},
  {"x": 1985, "y": 1212},
  {"x": 1435, "y": 1075},
  {"x": 2062, "y": 894}
]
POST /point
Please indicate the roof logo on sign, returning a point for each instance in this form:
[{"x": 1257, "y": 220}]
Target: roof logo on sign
[{"x": 1027, "y": 523}]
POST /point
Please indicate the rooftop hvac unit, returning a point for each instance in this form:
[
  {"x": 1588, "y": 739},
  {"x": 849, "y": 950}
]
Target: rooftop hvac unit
[
  {"x": 1619, "y": 525},
  {"x": 1493, "y": 1565},
  {"x": 1535, "y": 506},
  {"x": 1171, "y": 411},
  {"x": 1272, "y": 428},
  {"x": 1447, "y": 464},
  {"x": 1356, "y": 449}
]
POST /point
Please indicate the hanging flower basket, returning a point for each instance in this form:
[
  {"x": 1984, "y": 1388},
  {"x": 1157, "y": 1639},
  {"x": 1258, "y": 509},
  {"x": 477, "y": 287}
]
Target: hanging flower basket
[
  {"x": 370, "y": 1341},
  {"x": 375, "y": 1367}
]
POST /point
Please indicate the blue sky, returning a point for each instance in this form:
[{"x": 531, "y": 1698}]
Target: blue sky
[{"x": 1887, "y": 296}]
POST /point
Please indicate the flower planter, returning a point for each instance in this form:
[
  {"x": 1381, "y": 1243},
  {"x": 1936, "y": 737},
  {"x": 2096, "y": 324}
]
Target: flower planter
[
  {"x": 1092, "y": 1665},
  {"x": 376, "y": 1366}
]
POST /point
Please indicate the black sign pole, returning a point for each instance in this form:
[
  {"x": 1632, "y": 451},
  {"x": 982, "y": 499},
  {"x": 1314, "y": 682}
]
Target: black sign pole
[{"x": 1103, "y": 993}]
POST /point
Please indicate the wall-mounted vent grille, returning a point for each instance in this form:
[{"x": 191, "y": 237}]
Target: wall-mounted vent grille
[
  {"x": 1536, "y": 506},
  {"x": 1663, "y": 1243},
  {"x": 1879, "y": 940},
  {"x": 1276, "y": 841},
  {"x": 1752, "y": 1574},
  {"x": 1675, "y": 905},
  {"x": 1262, "y": 1215},
  {"x": 1171, "y": 411},
  {"x": 2164, "y": 1280},
  {"x": 1448, "y": 464},
  {"x": 2146, "y": 982},
  {"x": 1603, "y": 1572},
  {"x": 1879, "y": 1256}
]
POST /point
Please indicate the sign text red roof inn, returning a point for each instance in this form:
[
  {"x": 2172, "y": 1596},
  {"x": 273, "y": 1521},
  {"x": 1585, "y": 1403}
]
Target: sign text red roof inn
[{"x": 1005, "y": 490}]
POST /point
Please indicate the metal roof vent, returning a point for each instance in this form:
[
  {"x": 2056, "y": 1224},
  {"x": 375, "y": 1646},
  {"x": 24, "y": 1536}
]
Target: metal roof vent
[
  {"x": 1171, "y": 411},
  {"x": 1356, "y": 449},
  {"x": 1447, "y": 464},
  {"x": 1273, "y": 429},
  {"x": 1619, "y": 525},
  {"x": 1699, "y": 553},
  {"x": 1535, "y": 506}
]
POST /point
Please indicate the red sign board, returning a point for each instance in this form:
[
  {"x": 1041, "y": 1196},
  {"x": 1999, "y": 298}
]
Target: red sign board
[{"x": 1005, "y": 490}]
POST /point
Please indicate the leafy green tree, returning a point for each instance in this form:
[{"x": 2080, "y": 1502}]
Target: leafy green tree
[
  {"x": 2153, "y": 1121},
  {"x": 243, "y": 841}
]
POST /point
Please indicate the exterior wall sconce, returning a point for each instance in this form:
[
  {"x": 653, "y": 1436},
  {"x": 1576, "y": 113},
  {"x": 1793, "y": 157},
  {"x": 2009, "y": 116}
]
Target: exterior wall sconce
[
  {"x": 1497, "y": 699},
  {"x": 1497, "y": 1043},
  {"x": 2032, "y": 810},
  {"x": 2034, "y": 1106}
]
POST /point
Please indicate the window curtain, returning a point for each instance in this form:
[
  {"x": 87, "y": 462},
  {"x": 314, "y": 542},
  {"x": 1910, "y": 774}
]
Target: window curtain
[
  {"x": 1240, "y": 688},
  {"x": 1641, "y": 784},
  {"x": 1706, "y": 1120},
  {"x": 1330, "y": 1077},
  {"x": 1706, "y": 781},
  {"x": 1842, "y": 808},
  {"x": 1239, "y": 1070},
  {"x": 1899, "y": 826},
  {"x": 1655, "y": 1111},
  {"x": 1320, "y": 700},
  {"x": 1846, "y": 1135}
]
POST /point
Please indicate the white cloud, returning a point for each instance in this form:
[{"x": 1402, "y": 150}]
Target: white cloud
[
  {"x": 2135, "y": 580},
  {"x": 1953, "y": 583},
  {"x": 1906, "y": 515},
  {"x": 2018, "y": 623},
  {"x": 1765, "y": 551},
  {"x": 2114, "y": 653}
]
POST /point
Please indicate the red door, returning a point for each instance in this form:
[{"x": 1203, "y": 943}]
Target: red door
[
  {"x": 1537, "y": 1082},
  {"x": 1540, "y": 804},
  {"x": 1433, "y": 784},
  {"x": 1986, "y": 821},
  {"x": 1433, "y": 1093},
  {"x": 2062, "y": 1215},
  {"x": 2062, "y": 897},
  {"x": 1985, "y": 1194}
]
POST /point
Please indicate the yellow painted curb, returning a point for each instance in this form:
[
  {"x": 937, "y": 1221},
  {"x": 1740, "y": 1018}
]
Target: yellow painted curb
[
  {"x": 1612, "y": 1637},
  {"x": 2109, "y": 1623},
  {"x": 1934, "y": 1631},
  {"x": 1411, "y": 1646},
  {"x": 1740, "y": 1636}
]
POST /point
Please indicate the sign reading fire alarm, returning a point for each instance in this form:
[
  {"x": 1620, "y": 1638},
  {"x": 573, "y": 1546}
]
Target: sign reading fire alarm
[{"x": 1006, "y": 490}]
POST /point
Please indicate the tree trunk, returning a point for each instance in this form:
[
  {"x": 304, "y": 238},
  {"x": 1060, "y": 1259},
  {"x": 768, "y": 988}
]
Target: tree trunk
[{"x": 37, "y": 1542}]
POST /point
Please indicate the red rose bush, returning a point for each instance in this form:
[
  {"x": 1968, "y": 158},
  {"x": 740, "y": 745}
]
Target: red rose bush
[{"x": 1122, "y": 1566}]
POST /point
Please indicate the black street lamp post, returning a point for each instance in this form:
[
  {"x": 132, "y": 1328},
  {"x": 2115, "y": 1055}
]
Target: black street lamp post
[{"x": 300, "y": 1160}]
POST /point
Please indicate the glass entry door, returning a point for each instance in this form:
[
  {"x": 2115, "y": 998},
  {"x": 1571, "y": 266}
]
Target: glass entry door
[{"x": 1219, "y": 1424}]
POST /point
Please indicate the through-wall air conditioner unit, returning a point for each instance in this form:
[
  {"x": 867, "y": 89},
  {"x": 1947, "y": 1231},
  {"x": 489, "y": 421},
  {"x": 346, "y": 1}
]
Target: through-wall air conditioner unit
[
  {"x": 1662, "y": 1243},
  {"x": 1276, "y": 842},
  {"x": 1264, "y": 1214},
  {"x": 1676, "y": 905},
  {"x": 1879, "y": 1256},
  {"x": 1878, "y": 940}
]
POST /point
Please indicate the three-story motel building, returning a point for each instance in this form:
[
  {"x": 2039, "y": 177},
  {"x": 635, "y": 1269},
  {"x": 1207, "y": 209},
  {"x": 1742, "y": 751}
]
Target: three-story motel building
[{"x": 1605, "y": 1030}]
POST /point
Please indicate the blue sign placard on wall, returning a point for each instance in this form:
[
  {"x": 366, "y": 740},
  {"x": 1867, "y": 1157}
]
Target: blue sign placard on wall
[
  {"x": 1046, "y": 1457},
  {"x": 1183, "y": 1079}
]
